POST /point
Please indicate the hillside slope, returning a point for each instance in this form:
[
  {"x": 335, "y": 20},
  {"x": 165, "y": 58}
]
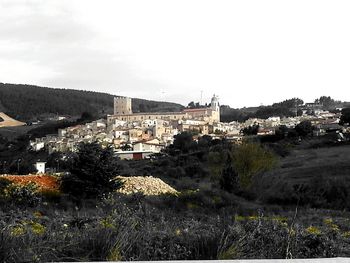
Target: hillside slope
[
  {"x": 6, "y": 121},
  {"x": 321, "y": 173},
  {"x": 24, "y": 102}
]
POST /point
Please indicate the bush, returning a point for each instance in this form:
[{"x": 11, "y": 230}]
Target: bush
[
  {"x": 26, "y": 195},
  {"x": 195, "y": 169},
  {"x": 4, "y": 184},
  {"x": 250, "y": 159},
  {"x": 304, "y": 128}
]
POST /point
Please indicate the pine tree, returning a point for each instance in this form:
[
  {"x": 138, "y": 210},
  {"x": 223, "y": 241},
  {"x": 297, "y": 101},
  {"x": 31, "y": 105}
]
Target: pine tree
[{"x": 92, "y": 173}]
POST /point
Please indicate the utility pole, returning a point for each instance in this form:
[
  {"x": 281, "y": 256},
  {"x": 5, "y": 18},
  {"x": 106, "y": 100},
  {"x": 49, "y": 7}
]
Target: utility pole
[{"x": 18, "y": 161}]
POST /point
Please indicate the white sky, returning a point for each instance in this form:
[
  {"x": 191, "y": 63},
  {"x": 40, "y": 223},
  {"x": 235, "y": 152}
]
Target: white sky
[{"x": 248, "y": 52}]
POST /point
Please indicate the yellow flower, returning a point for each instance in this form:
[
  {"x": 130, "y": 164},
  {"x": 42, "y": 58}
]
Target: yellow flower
[
  {"x": 38, "y": 228},
  {"x": 37, "y": 214},
  {"x": 328, "y": 221},
  {"x": 253, "y": 217},
  {"x": 313, "y": 230},
  {"x": 291, "y": 232},
  {"x": 335, "y": 227},
  {"x": 239, "y": 218},
  {"x": 114, "y": 254},
  {"x": 107, "y": 222},
  {"x": 346, "y": 234},
  {"x": 177, "y": 232},
  {"x": 17, "y": 231}
]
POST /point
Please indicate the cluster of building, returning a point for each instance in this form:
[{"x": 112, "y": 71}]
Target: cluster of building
[
  {"x": 322, "y": 121},
  {"x": 138, "y": 135},
  {"x": 134, "y": 135}
]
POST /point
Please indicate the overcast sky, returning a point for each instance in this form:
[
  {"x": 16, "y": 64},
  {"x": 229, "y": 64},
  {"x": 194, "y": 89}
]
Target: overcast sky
[{"x": 248, "y": 52}]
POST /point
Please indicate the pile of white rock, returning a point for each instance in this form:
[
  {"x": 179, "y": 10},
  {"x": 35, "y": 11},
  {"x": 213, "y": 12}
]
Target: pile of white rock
[{"x": 147, "y": 185}]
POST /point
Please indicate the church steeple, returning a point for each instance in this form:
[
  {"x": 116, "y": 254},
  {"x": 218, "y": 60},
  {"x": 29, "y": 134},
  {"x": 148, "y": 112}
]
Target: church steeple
[{"x": 215, "y": 103}]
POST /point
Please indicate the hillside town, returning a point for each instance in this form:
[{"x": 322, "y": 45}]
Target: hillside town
[{"x": 139, "y": 135}]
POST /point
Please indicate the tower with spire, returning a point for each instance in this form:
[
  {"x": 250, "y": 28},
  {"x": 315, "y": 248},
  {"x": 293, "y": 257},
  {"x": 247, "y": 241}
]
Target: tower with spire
[{"x": 215, "y": 107}]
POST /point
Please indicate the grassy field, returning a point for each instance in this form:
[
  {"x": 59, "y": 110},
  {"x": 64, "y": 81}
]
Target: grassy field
[
  {"x": 314, "y": 176},
  {"x": 307, "y": 164}
]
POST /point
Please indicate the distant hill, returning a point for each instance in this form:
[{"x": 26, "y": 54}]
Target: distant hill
[{"x": 26, "y": 102}]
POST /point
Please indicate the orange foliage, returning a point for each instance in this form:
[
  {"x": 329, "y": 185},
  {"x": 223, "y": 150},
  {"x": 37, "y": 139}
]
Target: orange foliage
[{"x": 44, "y": 182}]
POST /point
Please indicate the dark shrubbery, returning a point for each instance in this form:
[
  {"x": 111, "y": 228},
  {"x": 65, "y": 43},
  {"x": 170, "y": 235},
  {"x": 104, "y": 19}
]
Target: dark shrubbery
[
  {"x": 345, "y": 116},
  {"x": 19, "y": 195},
  {"x": 229, "y": 180},
  {"x": 318, "y": 193},
  {"x": 304, "y": 128}
]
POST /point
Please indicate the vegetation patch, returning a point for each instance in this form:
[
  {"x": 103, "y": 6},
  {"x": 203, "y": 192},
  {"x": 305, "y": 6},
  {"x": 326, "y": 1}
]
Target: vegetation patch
[{"x": 43, "y": 182}]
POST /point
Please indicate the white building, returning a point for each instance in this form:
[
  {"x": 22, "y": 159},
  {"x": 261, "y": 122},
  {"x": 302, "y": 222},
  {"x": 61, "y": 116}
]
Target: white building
[
  {"x": 153, "y": 146},
  {"x": 40, "y": 167}
]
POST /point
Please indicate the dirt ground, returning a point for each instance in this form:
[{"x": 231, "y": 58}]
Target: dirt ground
[{"x": 8, "y": 121}]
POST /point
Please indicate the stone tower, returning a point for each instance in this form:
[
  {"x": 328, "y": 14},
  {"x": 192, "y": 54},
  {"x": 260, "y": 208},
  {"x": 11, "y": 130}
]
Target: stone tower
[
  {"x": 122, "y": 105},
  {"x": 215, "y": 106}
]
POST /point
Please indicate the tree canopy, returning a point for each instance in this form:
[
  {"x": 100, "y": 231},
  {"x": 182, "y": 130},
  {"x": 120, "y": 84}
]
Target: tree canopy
[
  {"x": 345, "y": 116},
  {"x": 304, "y": 128}
]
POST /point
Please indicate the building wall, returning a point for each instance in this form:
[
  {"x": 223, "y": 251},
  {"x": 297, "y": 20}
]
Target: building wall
[
  {"x": 122, "y": 105},
  {"x": 147, "y": 116},
  {"x": 40, "y": 167},
  {"x": 123, "y": 112}
]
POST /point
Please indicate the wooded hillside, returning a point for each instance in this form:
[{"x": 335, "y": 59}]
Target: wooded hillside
[{"x": 25, "y": 102}]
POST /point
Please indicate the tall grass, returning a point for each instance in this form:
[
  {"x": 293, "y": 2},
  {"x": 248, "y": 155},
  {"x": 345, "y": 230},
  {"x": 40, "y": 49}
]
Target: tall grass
[{"x": 145, "y": 228}]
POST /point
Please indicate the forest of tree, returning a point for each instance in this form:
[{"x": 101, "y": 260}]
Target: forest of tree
[{"x": 26, "y": 102}]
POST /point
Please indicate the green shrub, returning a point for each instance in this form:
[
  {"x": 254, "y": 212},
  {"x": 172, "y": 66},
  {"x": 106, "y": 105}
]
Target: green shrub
[
  {"x": 250, "y": 159},
  {"x": 23, "y": 195},
  {"x": 4, "y": 185}
]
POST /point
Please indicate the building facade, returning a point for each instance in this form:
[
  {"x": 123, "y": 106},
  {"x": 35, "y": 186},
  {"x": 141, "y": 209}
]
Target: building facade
[
  {"x": 123, "y": 112},
  {"x": 122, "y": 106}
]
